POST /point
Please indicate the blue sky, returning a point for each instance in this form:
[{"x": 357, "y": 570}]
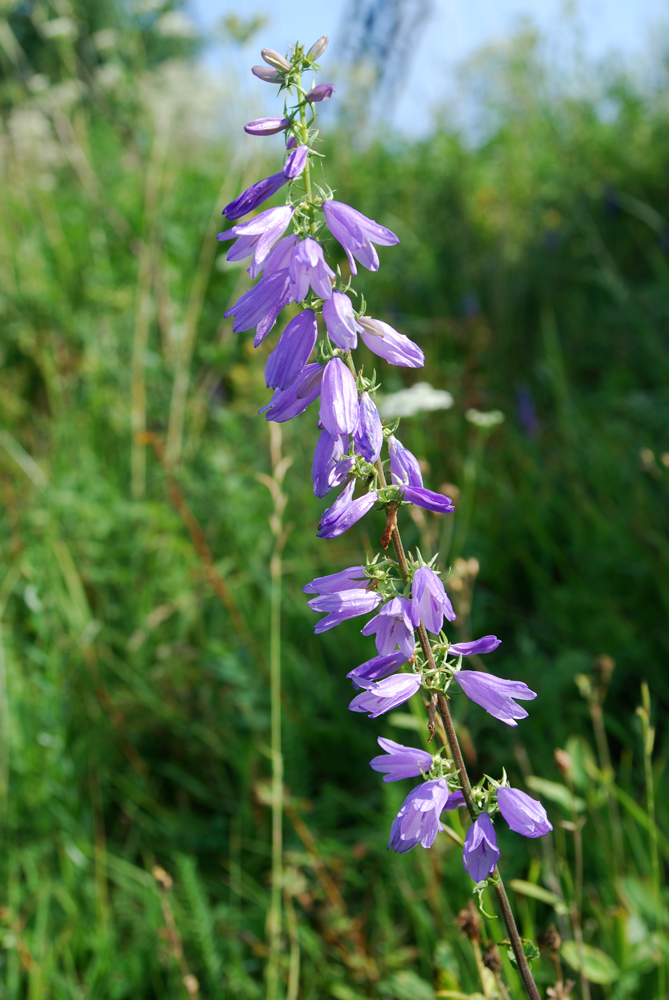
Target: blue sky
[{"x": 623, "y": 29}]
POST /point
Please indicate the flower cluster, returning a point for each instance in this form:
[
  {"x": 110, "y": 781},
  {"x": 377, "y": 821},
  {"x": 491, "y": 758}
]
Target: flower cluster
[{"x": 289, "y": 247}]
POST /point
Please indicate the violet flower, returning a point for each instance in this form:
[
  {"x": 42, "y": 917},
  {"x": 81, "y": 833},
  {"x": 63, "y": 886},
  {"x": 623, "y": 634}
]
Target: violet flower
[
  {"x": 394, "y": 347},
  {"x": 292, "y": 351},
  {"x": 357, "y": 234},
  {"x": 261, "y": 305},
  {"x": 254, "y": 196},
  {"x": 267, "y": 126},
  {"x": 330, "y": 466},
  {"x": 480, "y": 854},
  {"x": 288, "y": 403},
  {"x": 278, "y": 258},
  {"x": 400, "y": 762},
  {"x": 267, "y": 73},
  {"x": 308, "y": 267},
  {"x": 295, "y": 162},
  {"x": 418, "y": 822},
  {"x": 376, "y": 668},
  {"x": 427, "y": 499},
  {"x": 322, "y": 92},
  {"x": 404, "y": 466},
  {"x": 369, "y": 435},
  {"x": 495, "y": 694},
  {"x": 524, "y": 814},
  {"x": 318, "y": 48},
  {"x": 393, "y": 627},
  {"x": 382, "y": 696},
  {"x": 340, "y": 321},
  {"x": 345, "y": 511},
  {"x": 475, "y": 647},
  {"x": 339, "y": 411},
  {"x": 258, "y": 236},
  {"x": 352, "y": 578},
  {"x": 340, "y": 607},
  {"x": 276, "y": 60},
  {"x": 429, "y": 601}
]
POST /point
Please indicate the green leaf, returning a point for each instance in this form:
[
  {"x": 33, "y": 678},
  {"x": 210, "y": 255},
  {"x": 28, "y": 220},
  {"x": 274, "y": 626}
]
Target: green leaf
[
  {"x": 538, "y": 892},
  {"x": 597, "y": 966},
  {"x": 407, "y": 985},
  {"x": 554, "y": 792},
  {"x": 529, "y": 948}
]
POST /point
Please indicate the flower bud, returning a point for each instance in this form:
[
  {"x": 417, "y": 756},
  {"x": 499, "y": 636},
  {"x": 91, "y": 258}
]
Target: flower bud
[
  {"x": 267, "y": 74},
  {"x": 318, "y": 48},
  {"x": 267, "y": 126},
  {"x": 323, "y": 92},
  {"x": 291, "y": 142},
  {"x": 272, "y": 58}
]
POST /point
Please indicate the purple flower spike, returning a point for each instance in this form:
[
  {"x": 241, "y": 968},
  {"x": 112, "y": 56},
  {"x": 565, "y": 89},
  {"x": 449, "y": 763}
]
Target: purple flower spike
[
  {"x": 330, "y": 468},
  {"x": 400, "y": 762},
  {"x": 369, "y": 435},
  {"x": 394, "y": 347},
  {"x": 340, "y": 607},
  {"x": 266, "y": 73},
  {"x": 308, "y": 267},
  {"x": 339, "y": 399},
  {"x": 323, "y": 92},
  {"x": 352, "y": 578},
  {"x": 295, "y": 162},
  {"x": 340, "y": 321},
  {"x": 476, "y": 647},
  {"x": 376, "y": 668},
  {"x": 393, "y": 627},
  {"x": 254, "y": 196},
  {"x": 345, "y": 512},
  {"x": 428, "y": 499},
  {"x": 417, "y": 822},
  {"x": 495, "y": 695},
  {"x": 382, "y": 696},
  {"x": 261, "y": 305},
  {"x": 290, "y": 402},
  {"x": 267, "y": 126},
  {"x": 292, "y": 351},
  {"x": 357, "y": 234},
  {"x": 480, "y": 854},
  {"x": 404, "y": 467},
  {"x": 429, "y": 601},
  {"x": 258, "y": 236},
  {"x": 524, "y": 814}
]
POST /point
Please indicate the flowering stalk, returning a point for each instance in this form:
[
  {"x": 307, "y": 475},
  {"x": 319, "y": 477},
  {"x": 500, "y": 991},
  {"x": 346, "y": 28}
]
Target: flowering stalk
[{"x": 313, "y": 360}]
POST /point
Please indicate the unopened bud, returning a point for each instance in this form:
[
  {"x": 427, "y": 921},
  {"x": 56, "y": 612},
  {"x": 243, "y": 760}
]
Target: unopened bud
[
  {"x": 273, "y": 58},
  {"x": 266, "y": 126},
  {"x": 323, "y": 92},
  {"x": 291, "y": 142},
  {"x": 318, "y": 48},
  {"x": 267, "y": 74}
]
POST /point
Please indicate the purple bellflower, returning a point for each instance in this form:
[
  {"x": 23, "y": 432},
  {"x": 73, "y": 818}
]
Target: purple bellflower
[
  {"x": 339, "y": 411},
  {"x": 278, "y": 259},
  {"x": 357, "y": 234},
  {"x": 429, "y": 601},
  {"x": 295, "y": 162},
  {"x": 369, "y": 435},
  {"x": 495, "y": 695},
  {"x": 330, "y": 467},
  {"x": 428, "y": 499},
  {"x": 404, "y": 467},
  {"x": 393, "y": 627},
  {"x": 318, "y": 48},
  {"x": 267, "y": 73},
  {"x": 382, "y": 696},
  {"x": 275, "y": 59},
  {"x": 524, "y": 814},
  {"x": 376, "y": 668},
  {"x": 288, "y": 403},
  {"x": 258, "y": 236},
  {"x": 267, "y": 126},
  {"x": 340, "y": 607},
  {"x": 352, "y": 578},
  {"x": 418, "y": 822},
  {"x": 481, "y": 853},
  {"x": 394, "y": 347},
  {"x": 345, "y": 512},
  {"x": 308, "y": 267},
  {"x": 322, "y": 92},
  {"x": 400, "y": 762},
  {"x": 254, "y": 196},
  {"x": 292, "y": 351},
  {"x": 340, "y": 321},
  {"x": 475, "y": 647},
  {"x": 261, "y": 305}
]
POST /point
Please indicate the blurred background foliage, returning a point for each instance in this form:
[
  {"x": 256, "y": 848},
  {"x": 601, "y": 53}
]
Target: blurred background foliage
[{"x": 134, "y": 712}]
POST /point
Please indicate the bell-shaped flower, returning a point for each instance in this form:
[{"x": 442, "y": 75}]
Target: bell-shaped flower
[
  {"x": 339, "y": 411},
  {"x": 308, "y": 268},
  {"x": 474, "y": 648},
  {"x": 254, "y": 196},
  {"x": 322, "y": 92},
  {"x": 429, "y": 601},
  {"x": 376, "y": 668},
  {"x": 394, "y": 347},
  {"x": 382, "y": 696},
  {"x": 345, "y": 512},
  {"x": 524, "y": 814},
  {"x": 292, "y": 351},
  {"x": 352, "y": 578},
  {"x": 258, "y": 236},
  {"x": 295, "y": 162},
  {"x": 428, "y": 499},
  {"x": 330, "y": 467},
  {"x": 404, "y": 466},
  {"x": 418, "y": 822},
  {"x": 357, "y": 234},
  {"x": 399, "y": 761},
  {"x": 393, "y": 627},
  {"x": 278, "y": 258},
  {"x": 276, "y": 60},
  {"x": 480, "y": 854},
  {"x": 267, "y": 73},
  {"x": 261, "y": 305},
  {"x": 340, "y": 321},
  {"x": 288, "y": 403},
  {"x": 267, "y": 126},
  {"x": 340, "y": 607},
  {"x": 495, "y": 694},
  {"x": 369, "y": 435}
]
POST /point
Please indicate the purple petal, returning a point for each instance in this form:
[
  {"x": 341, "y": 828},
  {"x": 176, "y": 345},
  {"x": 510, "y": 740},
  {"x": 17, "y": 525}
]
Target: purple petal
[
  {"x": 292, "y": 351},
  {"x": 339, "y": 412},
  {"x": 254, "y": 196},
  {"x": 524, "y": 814},
  {"x": 495, "y": 695},
  {"x": 295, "y": 162},
  {"x": 340, "y": 321},
  {"x": 382, "y": 696},
  {"x": 477, "y": 646},
  {"x": 427, "y": 499},
  {"x": 376, "y": 668},
  {"x": 480, "y": 853},
  {"x": 290, "y": 402},
  {"x": 345, "y": 512},
  {"x": 334, "y": 583},
  {"x": 400, "y": 762},
  {"x": 394, "y": 347},
  {"x": 404, "y": 467},
  {"x": 369, "y": 435},
  {"x": 267, "y": 126}
]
